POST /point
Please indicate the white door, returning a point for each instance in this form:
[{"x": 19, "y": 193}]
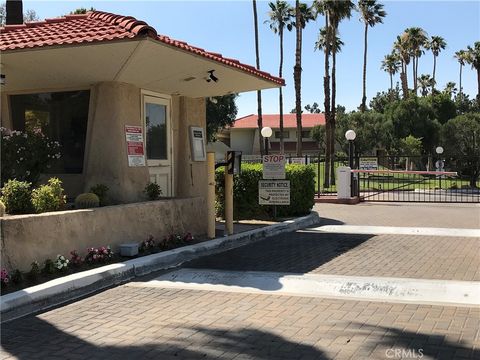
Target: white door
[{"x": 158, "y": 142}]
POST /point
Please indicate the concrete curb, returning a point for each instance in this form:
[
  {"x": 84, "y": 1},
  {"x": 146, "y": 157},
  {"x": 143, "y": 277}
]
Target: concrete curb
[{"x": 67, "y": 288}]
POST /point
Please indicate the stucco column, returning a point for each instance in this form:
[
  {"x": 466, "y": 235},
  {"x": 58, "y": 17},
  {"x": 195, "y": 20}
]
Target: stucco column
[{"x": 115, "y": 105}]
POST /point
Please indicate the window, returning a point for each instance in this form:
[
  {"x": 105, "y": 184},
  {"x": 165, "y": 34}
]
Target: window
[
  {"x": 62, "y": 116},
  {"x": 285, "y": 134},
  {"x": 156, "y": 125},
  {"x": 305, "y": 134}
]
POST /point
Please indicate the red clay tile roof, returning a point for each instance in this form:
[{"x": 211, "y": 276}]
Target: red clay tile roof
[
  {"x": 98, "y": 26},
  {"x": 273, "y": 121}
]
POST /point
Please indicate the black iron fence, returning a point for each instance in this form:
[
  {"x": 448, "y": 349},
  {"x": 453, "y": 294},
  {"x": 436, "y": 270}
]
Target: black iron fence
[{"x": 398, "y": 178}]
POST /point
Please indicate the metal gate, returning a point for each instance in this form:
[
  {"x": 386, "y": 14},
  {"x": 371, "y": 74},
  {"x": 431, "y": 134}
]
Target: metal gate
[{"x": 407, "y": 179}]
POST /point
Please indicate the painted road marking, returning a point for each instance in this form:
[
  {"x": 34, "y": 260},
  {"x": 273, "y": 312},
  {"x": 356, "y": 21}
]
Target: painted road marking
[
  {"x": 382, "y": 230},
  {"x": 433, "y": 292}
]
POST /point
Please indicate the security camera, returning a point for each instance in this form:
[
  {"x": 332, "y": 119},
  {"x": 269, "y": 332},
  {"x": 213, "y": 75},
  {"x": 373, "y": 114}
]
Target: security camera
[{"x": 211, "y": 76}]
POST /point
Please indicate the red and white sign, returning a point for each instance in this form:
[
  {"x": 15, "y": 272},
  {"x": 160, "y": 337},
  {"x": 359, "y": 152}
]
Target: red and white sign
[
  {"x": 274, "y": 166},
  {"x": 135, "y": 149}
]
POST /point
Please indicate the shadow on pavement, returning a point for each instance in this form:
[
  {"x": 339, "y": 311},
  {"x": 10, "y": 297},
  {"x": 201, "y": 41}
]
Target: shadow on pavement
[
  {"x": 432, "y": 346},
  {"x": 297, "y": 253},
  {"x": 35, "y": 338}
]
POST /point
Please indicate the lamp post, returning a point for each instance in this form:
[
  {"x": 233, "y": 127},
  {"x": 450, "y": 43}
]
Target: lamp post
[
  {"x": 266, "y": 133},
  {"x": 350, "y": 136},
  {"x": 439, "y": 164}
]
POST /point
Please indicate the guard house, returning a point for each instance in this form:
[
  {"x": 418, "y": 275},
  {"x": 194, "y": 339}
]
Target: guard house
[
  {"x": 128, "y": 107},
  {"x": 89, "y": 80}
]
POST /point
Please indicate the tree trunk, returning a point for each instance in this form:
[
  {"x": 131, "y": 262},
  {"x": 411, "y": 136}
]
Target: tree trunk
[
  {"x": 433, "y": 75},
  {"x": 280, "y": 100},
  {"x": 333, "y": 114},
  {"x": 259, "y": 93},
  {"x": 297, "y": 75},
  {"x": 363, "y": 106},
  {"x": 478, "y": 84},
  {"x": 391, "y": 84},
  {"x": 460, "y": 81},
  {"x": 326, "y": 88},
  {"x": 404, "y": 80},
  {"x": 414, "y": 75}
]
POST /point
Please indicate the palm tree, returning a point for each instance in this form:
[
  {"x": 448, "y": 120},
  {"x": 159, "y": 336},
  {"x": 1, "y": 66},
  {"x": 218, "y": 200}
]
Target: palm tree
[
  {"x": 461, "y": 56},
  {"x": 473, "y": 58},
  {"x": 401, "y": 49},
  {"x": 426, "y": 82},
  {"x": 319, "y": 6},
  {"x": 335, "y": 12},
  {"x": 303, "y": 14},
  {"x": 450, "y": 89},
  {"x": 436, "y": 44},
  {"x": 416, "y": 38},
  {"x": 371, "y": 13},
  {"x": 259, "y": 92},
  {"x": 391, "y": 65},
  {"x": 280, "y": 18}
]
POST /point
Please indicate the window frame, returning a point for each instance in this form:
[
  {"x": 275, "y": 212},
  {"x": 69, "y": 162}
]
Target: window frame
[
  {"x": 286, "y": 134},
  {"x": 160, "y": 99}
]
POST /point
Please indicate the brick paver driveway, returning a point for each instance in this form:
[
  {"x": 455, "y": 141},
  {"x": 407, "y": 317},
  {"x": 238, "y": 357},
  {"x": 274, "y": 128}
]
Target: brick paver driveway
[{"x": 133, "y": 321}]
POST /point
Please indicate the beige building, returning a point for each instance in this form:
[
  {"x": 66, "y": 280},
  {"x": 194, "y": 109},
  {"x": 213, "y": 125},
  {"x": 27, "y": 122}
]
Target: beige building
[
  {"x": 243, "y": 135},
  {"x": 87, "y": 80}
]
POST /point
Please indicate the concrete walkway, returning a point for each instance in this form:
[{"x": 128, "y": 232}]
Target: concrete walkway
[
  {"x": 402, "y": 214},
  {"x": 215, "y": 307}
]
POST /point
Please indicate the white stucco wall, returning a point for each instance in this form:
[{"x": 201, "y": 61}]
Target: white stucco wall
[{"x": 242, "y": 140}]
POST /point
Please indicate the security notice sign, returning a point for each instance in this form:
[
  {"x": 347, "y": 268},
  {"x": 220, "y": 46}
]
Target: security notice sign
[
  {"x": 274, "y": 192},
  {"x": 274, "y": 166},
  {"x": 135, "y": 149},
  {"x": 368, "y": 163}
]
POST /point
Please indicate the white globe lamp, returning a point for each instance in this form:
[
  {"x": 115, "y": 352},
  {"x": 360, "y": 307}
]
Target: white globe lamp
[
  {"x": 266, "y": 132},
  {"x": 350, "y": 135}
]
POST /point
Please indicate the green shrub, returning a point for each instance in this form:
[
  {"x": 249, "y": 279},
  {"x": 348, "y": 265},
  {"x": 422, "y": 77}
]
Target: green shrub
[
  {"x": 48, "y": 267},
  {"x": 153, "y": 191},
  {"x": 86, "y": 201},
  {"x": 245, "y": 192},
  {"x": 34, "y": 272},
  {"x": 16, "y": 195},
  {"x": 49, "y": 197},
  {"x": 101, "y": 191},
  {"x": 26, "y": 155},
  {"x": 17, "y": 277},
  {"x": 2, "y": 208}
]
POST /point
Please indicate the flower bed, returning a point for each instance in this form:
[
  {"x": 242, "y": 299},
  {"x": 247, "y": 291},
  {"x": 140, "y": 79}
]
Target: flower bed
[
  {"x": 27, "y": 238},
  {"x": 95, "y": 257}
]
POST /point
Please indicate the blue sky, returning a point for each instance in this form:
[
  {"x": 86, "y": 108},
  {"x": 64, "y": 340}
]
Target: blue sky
[{"x": 227, "y": 27}]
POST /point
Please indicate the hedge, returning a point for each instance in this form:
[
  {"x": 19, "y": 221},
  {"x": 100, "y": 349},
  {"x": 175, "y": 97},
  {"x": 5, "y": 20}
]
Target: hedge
[{"x": 245, "y": 192}]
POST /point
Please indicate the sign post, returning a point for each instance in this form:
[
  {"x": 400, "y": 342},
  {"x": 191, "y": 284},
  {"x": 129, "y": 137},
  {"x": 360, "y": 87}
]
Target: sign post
[{"x": 439, "y": 166}]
